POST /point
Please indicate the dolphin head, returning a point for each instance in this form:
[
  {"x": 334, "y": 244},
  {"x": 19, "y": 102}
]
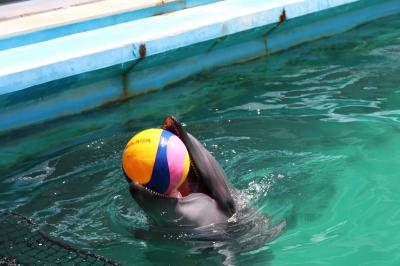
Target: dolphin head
[
  {"x": 210, "y": 200},
  {"x": 206, "y": 175}
]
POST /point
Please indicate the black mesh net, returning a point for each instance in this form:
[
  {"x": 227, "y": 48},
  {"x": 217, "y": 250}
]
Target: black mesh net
[{"x": 23, "y": 243}]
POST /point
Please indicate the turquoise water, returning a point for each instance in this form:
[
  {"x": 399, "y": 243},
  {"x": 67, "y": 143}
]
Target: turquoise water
[{"x": 310, "y": 135}]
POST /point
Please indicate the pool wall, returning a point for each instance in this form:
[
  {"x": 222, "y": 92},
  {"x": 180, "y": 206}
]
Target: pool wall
[{"x": 71, "y": 73}]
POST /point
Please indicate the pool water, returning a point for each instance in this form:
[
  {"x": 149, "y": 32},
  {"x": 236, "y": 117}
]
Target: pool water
[{"x": 310, "y": 135}]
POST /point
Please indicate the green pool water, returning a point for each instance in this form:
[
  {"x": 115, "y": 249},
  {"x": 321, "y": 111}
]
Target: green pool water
[{"x": 310, "y": 135}]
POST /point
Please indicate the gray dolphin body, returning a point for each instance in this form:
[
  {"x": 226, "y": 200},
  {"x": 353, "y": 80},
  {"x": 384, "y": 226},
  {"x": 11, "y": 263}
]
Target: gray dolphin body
[
  {"x": 210, "y": 201},
  {"x": 209, "y": 212}
]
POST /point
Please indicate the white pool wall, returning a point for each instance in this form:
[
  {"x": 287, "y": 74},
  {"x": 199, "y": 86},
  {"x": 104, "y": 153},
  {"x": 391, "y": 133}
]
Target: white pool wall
[{"x": 78, "y": 72}]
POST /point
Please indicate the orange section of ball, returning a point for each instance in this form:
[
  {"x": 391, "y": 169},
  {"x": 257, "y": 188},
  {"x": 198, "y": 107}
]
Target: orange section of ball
[{"x": 139, "y": 155}]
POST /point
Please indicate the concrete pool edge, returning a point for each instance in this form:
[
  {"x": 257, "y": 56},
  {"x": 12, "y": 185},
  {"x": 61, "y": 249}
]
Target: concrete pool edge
[
  {"x": 77, "y": 93},
  {"x": 35, "y": 21}
]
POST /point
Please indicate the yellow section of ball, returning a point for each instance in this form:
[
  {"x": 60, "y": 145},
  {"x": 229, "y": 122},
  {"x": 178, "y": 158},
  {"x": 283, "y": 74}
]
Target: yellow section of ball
[
  {"x": 139, "y": 155},
  {"x": 186, "y": 167}
]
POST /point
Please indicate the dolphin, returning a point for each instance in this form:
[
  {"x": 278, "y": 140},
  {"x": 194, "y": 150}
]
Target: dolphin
[
  {"x": 209, "y": 213},
  {"x": 210, "y": 202}
]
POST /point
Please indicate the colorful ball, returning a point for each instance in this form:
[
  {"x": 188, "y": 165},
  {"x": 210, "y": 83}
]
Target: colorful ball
[{"x": 157, "y": 159}]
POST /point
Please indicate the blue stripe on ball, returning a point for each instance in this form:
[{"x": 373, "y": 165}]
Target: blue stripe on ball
[{"x": 160, "y": 177}]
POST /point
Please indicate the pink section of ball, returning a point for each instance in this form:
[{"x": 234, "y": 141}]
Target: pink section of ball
[{"x": 176, "y": 152}]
